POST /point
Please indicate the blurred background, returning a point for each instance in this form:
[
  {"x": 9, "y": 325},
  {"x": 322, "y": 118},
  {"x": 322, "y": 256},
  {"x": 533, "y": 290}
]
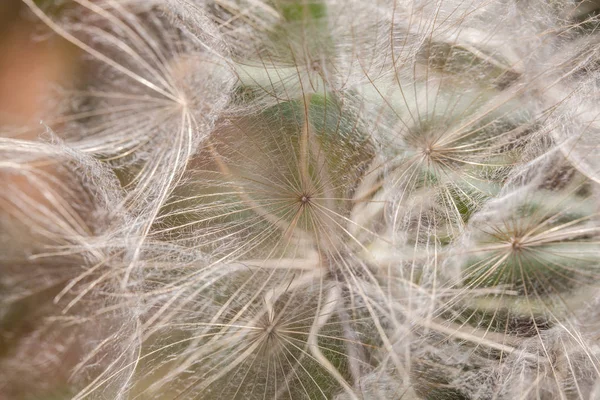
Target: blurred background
[
  {"x": 33, "y": 64},
  {"x": 35, "y": 67}
]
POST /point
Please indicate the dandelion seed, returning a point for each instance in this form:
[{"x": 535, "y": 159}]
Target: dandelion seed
[{"x": 308, "y": 199}]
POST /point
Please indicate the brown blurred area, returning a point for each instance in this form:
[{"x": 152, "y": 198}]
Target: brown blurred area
[{"x": 33, "y": 61}]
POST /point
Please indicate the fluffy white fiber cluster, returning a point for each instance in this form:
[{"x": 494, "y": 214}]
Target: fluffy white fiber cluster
[{"x": 309, "y": 199}]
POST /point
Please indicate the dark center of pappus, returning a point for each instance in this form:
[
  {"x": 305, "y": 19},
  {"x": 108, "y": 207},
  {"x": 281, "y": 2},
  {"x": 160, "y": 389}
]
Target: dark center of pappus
[
  {"x": 270, "y": 331},
  {"x": 515, "y": 244},
  {"x": 304, "y": 199},
  {"x": 429, "y": 151},
  {"x": 315, "y": 66}
]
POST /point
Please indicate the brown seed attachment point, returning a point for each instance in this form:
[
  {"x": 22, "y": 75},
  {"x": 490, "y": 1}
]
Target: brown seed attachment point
[{"x": 515, "y": 244}]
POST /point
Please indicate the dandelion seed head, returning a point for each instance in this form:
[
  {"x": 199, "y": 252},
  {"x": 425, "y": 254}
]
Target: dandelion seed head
[{"x": 309, "y": 199}]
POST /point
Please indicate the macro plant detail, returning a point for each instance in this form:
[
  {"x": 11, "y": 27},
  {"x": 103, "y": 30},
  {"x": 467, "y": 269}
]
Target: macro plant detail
[{"x": 306, "y": 199}]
